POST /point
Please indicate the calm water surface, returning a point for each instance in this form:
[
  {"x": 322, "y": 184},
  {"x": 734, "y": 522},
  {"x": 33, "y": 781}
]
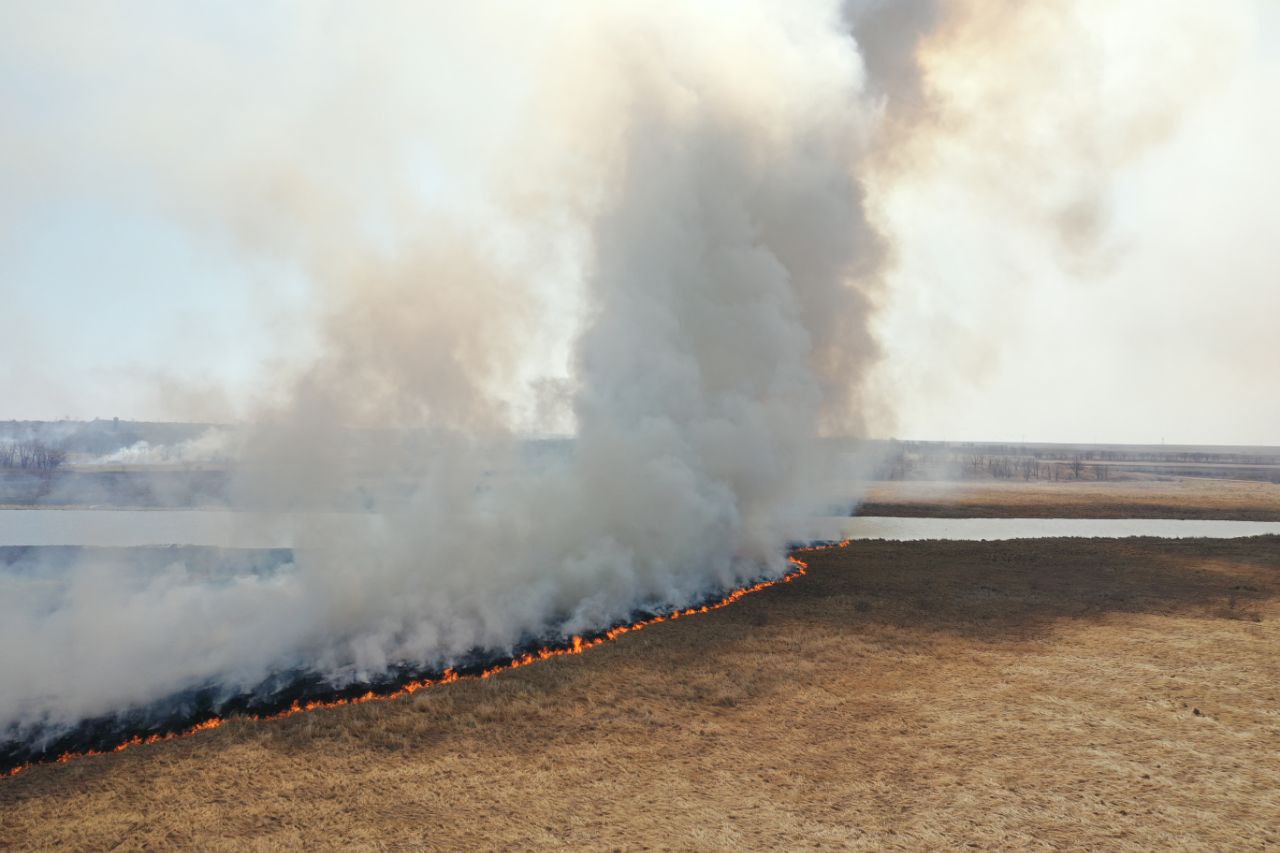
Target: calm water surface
[{"x": 128, "y": 528}]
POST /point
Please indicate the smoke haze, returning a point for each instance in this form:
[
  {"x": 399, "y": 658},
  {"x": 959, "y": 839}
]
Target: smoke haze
[
  {"x": 692, "y": 175},
  {"x": 693, "y": 237}
]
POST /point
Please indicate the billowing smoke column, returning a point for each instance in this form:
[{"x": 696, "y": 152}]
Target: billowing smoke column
[
  {"x": 645, "y": 226},
  {"x": 650, "y": 226},
  {"x": 688, "y": 177}
]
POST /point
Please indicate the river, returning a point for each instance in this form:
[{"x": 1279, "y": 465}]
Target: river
[{"x": 220, "y": 528}]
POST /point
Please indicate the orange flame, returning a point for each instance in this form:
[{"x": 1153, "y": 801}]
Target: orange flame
[{"x": 449, "y": 676}]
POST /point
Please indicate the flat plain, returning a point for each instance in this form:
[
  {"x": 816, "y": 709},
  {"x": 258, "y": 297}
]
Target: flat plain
[
  {"x": 1065, "y": 693},
  {"x": 1171, "y": 497}
]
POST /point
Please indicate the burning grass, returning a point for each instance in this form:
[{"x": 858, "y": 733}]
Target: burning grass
[
  {"x": 1062, "y": 692},
  {"x": 96, "y": 738}
]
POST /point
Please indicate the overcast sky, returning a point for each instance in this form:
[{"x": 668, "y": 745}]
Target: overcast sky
[{"x": 1158, "y": 318}]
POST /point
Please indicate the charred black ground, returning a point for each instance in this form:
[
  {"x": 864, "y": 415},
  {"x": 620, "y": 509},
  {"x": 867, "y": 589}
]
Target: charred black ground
[{"x": 185, "y": 711}]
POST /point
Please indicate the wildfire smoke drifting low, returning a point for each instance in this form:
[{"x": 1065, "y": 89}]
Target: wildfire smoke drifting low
[{"x": 573, "y": 646}]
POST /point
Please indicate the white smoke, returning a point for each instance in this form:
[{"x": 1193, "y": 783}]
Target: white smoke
[
  {"x": 662, "y": 247},
  {"x": 214, "y": 446},
  {"x": 655, "y": 227}
]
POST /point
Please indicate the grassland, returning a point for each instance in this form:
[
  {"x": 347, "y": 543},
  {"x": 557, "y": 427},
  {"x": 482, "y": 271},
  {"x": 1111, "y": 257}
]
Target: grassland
[
  {"x": 1187, "y": 497},
  {"x": 1078, "y": 693}
]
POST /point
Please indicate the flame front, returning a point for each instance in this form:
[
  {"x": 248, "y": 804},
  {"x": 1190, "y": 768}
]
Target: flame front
[{"x": 577, "y": 645}]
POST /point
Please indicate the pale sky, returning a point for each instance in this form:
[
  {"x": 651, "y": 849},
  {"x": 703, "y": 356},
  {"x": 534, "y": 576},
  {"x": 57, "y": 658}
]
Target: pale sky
[
  {"x": 119, "y": 301},
  {"x": 1169, "y": 331}
]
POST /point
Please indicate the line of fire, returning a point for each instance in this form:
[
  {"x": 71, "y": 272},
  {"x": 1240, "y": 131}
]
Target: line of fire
[{"x": 298, "y": 693}]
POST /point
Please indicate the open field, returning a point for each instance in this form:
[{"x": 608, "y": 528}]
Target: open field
[
  {"x": 1190, "y": 497},
  {"x": 1035, "y": 692}
]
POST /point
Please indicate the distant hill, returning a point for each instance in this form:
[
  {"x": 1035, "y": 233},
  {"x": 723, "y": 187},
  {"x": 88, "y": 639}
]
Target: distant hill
[{"x": 99, "y": 437}]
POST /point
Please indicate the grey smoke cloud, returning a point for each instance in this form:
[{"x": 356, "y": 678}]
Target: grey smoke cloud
[
  {"x": 889, "y": 34},
  {"x": 689, "y": 178},
  {"x": 666, "y": 228}
]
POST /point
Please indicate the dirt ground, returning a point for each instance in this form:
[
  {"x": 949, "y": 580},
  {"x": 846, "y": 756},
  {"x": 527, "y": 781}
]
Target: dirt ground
[
  {"x": 1073, "y": 693},
  {"x": 1186, "y": 497}
]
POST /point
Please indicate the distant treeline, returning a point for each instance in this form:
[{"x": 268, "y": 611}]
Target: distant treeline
[
  {"x": 99, "y": 436},
  {"x": 977, "y": 466},
  {"x": 1110, "y": 453},
  {"x": 941, "y": 461},
  {"x": 31, "y": 456}
]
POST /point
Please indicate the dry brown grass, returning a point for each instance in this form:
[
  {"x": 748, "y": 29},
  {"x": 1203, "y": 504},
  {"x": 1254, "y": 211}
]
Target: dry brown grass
[
  {"x": 1052, "y": 693},
  {"x": 1187, "y": 497}
]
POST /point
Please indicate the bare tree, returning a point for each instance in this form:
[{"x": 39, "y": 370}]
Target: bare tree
[{"x": 32, "y": 456}]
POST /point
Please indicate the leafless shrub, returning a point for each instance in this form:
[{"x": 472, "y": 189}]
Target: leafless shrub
[{"x": 31, "y": 456}]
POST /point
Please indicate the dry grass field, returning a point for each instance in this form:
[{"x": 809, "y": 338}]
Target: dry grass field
[
  {"x": 1065, "y": 693},
  {"x": 1186, "y": 497}
]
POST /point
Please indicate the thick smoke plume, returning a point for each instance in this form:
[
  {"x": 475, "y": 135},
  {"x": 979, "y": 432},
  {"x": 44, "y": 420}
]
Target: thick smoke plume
[{"x": 651, "y": 235}]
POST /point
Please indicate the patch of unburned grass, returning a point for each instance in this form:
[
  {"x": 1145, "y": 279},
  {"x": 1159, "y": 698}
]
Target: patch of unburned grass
[
  {"x": 1077, "y": 693},
  {"x": 1186, "y": 497}
]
